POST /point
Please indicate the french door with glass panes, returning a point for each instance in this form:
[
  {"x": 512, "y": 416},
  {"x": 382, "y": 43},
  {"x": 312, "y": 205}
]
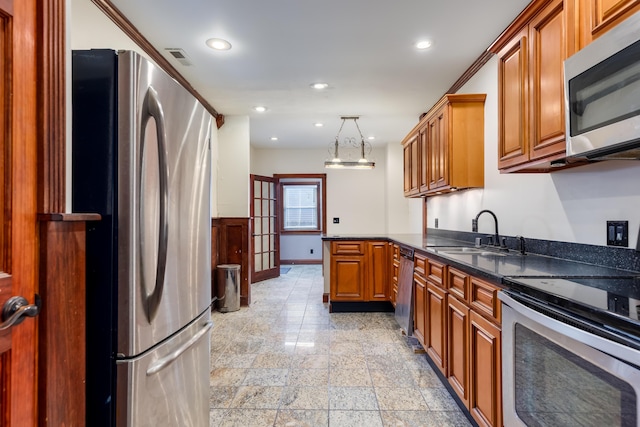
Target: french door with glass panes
[{"x": 264, "y": 227}]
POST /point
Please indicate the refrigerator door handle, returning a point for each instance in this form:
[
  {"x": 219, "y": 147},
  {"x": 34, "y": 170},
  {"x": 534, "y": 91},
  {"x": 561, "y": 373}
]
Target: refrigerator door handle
[
  {"x": 165, "y": 361},
  {"x": 151, "y": 107}
]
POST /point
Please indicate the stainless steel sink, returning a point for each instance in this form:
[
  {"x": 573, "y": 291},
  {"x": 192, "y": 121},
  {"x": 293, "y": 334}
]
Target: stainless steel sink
[{"x": 472, "y": 251}]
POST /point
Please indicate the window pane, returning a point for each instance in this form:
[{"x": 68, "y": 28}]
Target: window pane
[{"x": 300, "y": 207}]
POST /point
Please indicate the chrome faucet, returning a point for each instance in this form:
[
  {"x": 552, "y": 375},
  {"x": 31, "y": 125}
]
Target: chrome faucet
[{"x": 474, "y": 227}]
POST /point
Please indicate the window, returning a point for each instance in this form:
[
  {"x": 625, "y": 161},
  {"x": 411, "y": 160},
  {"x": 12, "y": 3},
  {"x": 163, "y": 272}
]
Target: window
[{"x": 300, "y": 211}]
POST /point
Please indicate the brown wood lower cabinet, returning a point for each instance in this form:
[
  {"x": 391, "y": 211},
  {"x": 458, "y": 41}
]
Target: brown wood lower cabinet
[
  {"x": 420, "y": 307},
  {"x": 359, "y": 271},
  {"x": 457, "y": 320},
  {"x": 436, "y": 330},
  {"x": 458, "y": 347},
  {"x": 485, "y": 402}
]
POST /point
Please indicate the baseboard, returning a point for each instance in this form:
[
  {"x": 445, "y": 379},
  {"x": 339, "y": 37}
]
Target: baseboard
[
  {"x": 360, "y": 307},
  {"x": 300, "y": 261}
]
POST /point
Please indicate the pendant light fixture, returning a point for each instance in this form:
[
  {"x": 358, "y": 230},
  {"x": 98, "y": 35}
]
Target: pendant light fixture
[{"x": 350, "y": 145}]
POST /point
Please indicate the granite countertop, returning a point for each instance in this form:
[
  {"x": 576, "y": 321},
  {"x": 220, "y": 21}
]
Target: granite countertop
[
  {"x": 416, "y": 241},
  {"x": 513, "y": 264},
  {"x": 510, "y": 264}
]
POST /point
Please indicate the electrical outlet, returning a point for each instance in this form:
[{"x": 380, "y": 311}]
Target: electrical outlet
[
  {"x": 474, "y": 225},
  {"x": 436, "y": 223},
  {"x": 618, "y": 233},
  {"x": 336, "y": 220}
]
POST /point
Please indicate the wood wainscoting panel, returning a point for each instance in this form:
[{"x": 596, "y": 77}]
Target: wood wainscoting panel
[
  {"x": 232, "y": 247},
  {"x": 61, "y": 322}
]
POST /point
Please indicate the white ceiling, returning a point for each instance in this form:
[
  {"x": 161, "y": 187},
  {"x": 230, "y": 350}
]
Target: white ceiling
[{"x": 362, "y": 48}]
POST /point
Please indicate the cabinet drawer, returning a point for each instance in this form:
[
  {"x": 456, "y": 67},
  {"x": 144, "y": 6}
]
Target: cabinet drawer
[
  {"x": 420, "y": 265},
  {"x": 347, "y": 247},
  {"x": 435, "y": 273},
  {"x": 458, "y": 284},
  {"x": 484, "y": 299}
]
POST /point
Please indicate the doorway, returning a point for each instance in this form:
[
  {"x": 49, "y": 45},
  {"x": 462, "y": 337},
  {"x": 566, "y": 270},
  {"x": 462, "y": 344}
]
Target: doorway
[{"x": 302, "y": 209}]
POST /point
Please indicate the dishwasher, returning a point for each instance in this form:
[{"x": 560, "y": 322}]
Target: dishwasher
[{"x": 404, "y": 300}]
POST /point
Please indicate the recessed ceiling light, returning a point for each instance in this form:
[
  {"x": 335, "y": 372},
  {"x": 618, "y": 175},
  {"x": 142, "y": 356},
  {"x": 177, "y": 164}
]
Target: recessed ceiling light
[
  {"x": 218, "y": 44},
  {"x": 274, "y": 138},
  {"x": 318, "y": 125},
  {"x": 424, "y": 44},
  {"x": 371, "y": 138},
  {"x": 319, "y": 86},
  {"x": 260, "y": 109}
]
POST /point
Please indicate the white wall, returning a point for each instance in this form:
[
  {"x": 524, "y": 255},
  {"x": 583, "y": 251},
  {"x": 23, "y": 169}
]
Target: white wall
[
  {"x": 233, "y": 167},
  {"x": 357, "y": 197},
  {"x": 572, "y": 205},
  {"x": 404, "y": 215}
]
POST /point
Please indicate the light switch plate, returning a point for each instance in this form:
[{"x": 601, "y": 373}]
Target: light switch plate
[{"x": 618, "y": 233}]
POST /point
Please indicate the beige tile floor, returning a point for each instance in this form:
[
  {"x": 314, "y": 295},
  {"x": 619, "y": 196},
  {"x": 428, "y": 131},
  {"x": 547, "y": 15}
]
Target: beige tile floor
[{"x": 287, "y": 361}]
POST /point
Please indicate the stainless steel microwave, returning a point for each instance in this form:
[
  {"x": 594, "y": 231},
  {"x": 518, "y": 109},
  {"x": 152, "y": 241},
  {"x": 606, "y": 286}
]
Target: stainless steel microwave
[{"x": 602, "y": 95}]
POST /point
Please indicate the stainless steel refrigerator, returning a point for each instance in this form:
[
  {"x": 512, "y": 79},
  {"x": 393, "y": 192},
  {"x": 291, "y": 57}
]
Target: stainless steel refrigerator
[{"x": 141, "y": 159}]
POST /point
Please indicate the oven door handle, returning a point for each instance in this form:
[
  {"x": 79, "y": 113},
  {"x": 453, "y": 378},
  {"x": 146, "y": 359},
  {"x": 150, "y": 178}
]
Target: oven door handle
[{"x": 597, "y": 342}]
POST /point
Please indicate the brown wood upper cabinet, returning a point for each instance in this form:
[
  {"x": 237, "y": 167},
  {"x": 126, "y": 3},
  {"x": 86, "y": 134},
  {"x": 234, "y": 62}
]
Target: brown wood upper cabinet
[
  {"x": 596, "y": 17},
  {"x": 445, "y": 150},
  {"x": 531, "y": 52},
  {"x": 530, "y": 88}
]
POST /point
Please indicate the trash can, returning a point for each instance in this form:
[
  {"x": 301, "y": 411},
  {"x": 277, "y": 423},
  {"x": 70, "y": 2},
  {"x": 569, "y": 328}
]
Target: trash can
[{"x": 228, "y": 289}]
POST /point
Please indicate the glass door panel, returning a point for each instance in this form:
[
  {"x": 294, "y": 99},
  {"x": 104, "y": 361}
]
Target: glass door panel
[{"x": 265, "y": 246}]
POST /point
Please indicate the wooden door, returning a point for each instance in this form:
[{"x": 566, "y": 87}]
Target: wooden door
[
  {"x": 436, "y": 330},
  {"x": 513, "y": 110},
  {"x": 347, "y": 278},
  {"x": 419, "y": 309},
  {"x": 377, "y": 271},
  {"x": 18, "y": 189},
  {"x": 265, "y": 245},
  {"x": 599, "y": 16},
  {"x": 485, "y": 397},
  {"x": 406, "y": 152},
  {"x": 423, "y": 149},
  {"x": 438, "y": 155},
  {"x": 548, "y": 49},
  {"x": 458, "y": 347}
]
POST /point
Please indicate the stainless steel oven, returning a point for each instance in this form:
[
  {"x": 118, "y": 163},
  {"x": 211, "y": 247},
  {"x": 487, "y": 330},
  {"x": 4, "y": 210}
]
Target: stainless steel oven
[{"x": 560, "y": 368}]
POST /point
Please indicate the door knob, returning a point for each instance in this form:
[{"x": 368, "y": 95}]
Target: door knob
[{"x": 16, "y": 309}]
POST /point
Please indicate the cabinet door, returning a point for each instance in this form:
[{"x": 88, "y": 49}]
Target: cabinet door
[
  {"x": 415, "y": 165},
  {"x": 394, "y": 269},
  {"x": 485, "y": 395},
  {"x": 438, "y": 156},
  {"x": 407, "y": 169},
  {"x": 599, "y": 16},
  {"x": 419, "y": 308},
  {"x": 458, "y": 347},
  {"x": 423, "y": 141},
  {"x": 347, "y": 278},
  {"x": 548, "y": 50},
  {"x": 377, "y": 284},
  {"x": 513, "y": 111},
  {"x": 436, "y": 339}
]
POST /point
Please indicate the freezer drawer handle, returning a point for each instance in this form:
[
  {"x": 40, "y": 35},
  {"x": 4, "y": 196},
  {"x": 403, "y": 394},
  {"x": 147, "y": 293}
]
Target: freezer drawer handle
[{"x": 167, "y": 360}]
